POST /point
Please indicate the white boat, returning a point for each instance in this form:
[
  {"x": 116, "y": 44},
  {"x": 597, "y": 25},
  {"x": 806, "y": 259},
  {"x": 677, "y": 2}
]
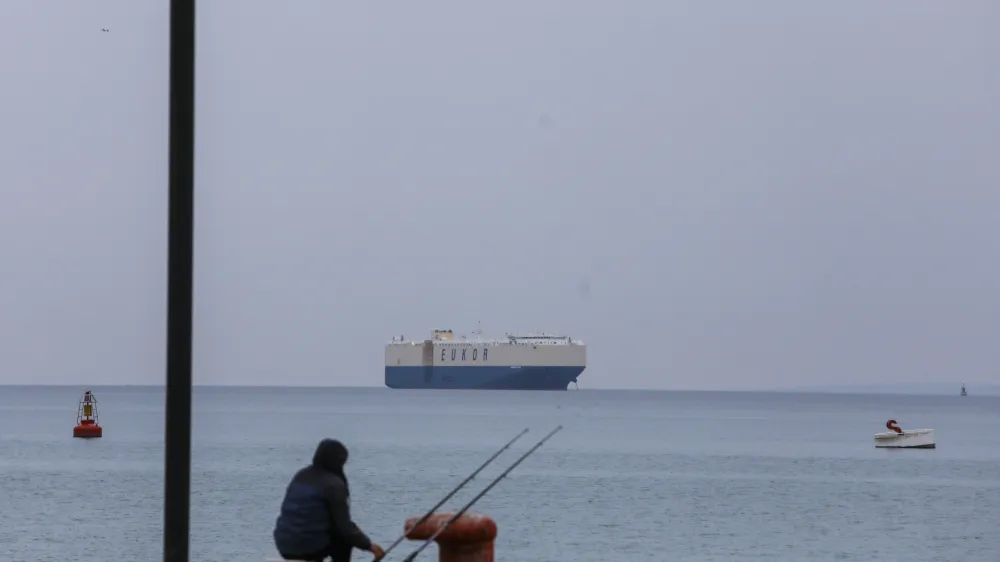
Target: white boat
[{"x": 897, "y": 438}]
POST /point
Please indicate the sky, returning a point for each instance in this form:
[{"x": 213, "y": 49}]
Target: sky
[{"x": 711, "y": 195}]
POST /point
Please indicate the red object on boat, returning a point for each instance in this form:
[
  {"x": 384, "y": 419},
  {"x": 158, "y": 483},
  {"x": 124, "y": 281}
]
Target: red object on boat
[
  {"x": 469, "y": 539},
  {"x": 86, "y": 418}
]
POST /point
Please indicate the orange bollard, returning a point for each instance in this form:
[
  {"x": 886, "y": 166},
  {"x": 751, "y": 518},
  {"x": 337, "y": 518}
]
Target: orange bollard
[{"x": 468, "y": 539}]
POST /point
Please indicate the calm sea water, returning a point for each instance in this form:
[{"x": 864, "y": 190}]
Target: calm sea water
[{"x": 658, "y": 476}]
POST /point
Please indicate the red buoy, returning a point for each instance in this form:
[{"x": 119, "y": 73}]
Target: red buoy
[
  {"x": 468, "y": 539},
  {"x": 86, "y": 418}
]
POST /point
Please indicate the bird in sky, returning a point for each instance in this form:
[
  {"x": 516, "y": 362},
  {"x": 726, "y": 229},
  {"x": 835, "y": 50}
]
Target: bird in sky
[{"x": 105, "y": 30}]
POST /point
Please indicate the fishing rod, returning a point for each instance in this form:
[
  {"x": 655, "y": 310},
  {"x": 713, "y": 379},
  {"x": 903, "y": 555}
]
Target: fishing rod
[
  {"x": 452, "y": 493},
  {"x": 479, "y": 495}
]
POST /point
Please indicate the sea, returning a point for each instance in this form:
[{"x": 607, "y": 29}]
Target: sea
[{"x": 633, "y": 475}]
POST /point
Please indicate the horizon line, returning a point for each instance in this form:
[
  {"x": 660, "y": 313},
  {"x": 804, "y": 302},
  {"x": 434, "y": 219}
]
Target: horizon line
[{"x": 839, "y": 389}]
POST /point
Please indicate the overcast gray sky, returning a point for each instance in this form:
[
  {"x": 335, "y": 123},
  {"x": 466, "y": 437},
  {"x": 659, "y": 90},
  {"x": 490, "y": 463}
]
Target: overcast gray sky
[{"x": 711, "y": 195}]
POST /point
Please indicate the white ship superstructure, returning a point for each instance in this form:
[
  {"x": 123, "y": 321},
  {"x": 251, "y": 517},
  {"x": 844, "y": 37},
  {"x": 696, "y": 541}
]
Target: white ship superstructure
[{"x": 515, "y": 362}]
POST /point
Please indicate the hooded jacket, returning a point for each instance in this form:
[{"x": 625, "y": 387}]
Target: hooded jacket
[{"x": 315, "y": 516}]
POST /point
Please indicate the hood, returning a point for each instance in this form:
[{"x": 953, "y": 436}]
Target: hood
[{"x": 331, "y": 455}]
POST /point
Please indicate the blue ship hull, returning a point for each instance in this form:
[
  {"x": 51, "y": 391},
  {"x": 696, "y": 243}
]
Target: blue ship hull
[{"x": 481, "y": 378}]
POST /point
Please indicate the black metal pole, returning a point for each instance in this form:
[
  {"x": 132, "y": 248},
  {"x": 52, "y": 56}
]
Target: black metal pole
[{"x": 180, "y": 269}]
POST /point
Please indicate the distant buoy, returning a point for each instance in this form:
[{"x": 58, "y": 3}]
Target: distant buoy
[
  {"x": 86, "y": 418},
  {"x": 896, "y": 438}
]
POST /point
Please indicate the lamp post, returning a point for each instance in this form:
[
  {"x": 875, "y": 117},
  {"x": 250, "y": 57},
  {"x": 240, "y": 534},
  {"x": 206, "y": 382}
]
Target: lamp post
[{"x": 180, "y": 267}]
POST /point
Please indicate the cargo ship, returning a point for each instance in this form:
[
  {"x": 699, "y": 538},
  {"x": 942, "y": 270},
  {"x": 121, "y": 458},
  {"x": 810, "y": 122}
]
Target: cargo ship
[{"x": 530, "y": 362}]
